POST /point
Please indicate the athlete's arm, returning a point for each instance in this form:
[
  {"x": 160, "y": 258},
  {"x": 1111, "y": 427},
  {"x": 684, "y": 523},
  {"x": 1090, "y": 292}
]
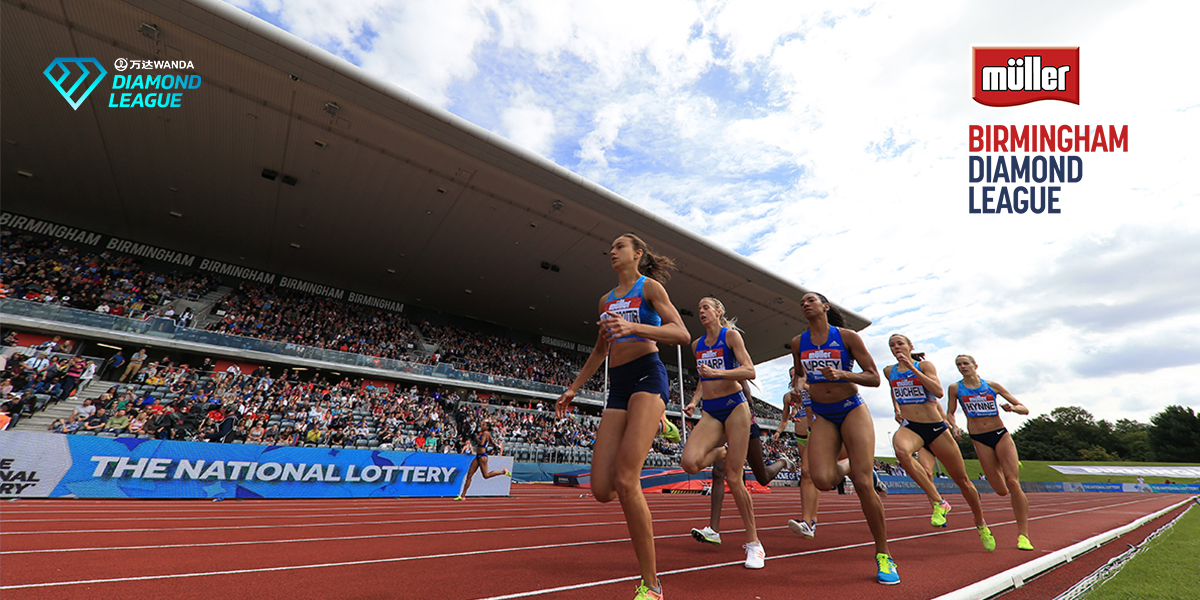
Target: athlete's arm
[
  {"x": 745, "y": 370},
  {"x": 672, "y": 331},
  {"x": 691, "y": 407},
  {"x": 788, "y": 412},
  {"x": 927, "y": 373},
  {"x": 895, "y": 405},
  {"x": 1015, "y": 405},
  {"x": 595, "y": 359},
  {"x": 952, "y": 403},
  {"x": 869, "y": 375},
  {"x": 800, "y": 374}
]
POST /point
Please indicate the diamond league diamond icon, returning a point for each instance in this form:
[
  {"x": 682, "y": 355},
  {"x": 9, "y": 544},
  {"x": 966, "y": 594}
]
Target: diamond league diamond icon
[{"x": 69, "y": 75}]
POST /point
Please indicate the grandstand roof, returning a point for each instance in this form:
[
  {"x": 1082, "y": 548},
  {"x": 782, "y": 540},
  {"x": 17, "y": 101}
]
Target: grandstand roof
[{"x": 384, "y": 182}]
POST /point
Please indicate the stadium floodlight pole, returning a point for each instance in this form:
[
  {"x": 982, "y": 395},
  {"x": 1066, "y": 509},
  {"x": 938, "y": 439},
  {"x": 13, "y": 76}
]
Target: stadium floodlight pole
[{"x": 682, "y": 417}]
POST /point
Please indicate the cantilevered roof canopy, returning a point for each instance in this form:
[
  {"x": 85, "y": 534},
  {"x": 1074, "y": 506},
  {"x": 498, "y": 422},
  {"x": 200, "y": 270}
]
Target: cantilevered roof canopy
[{"x": 393, "y": 197}]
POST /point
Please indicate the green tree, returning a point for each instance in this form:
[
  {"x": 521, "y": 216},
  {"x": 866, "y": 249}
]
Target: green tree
[{"x": 1175, "y": 435}]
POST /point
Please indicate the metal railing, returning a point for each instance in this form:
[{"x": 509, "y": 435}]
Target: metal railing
[{"x": 167, "y": 329}]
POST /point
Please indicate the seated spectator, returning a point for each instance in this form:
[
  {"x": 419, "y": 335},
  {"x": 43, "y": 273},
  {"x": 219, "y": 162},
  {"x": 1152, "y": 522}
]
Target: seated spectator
[
  {"x": 118, "y": 423},
  {"x": 97, "y": 422},
  {"x": 85, "y": 410},
  {"x": 138, "y": 423},
  {"x": 256, "y": 433}
]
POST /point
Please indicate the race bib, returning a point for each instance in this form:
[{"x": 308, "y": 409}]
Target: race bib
[
  {"x": 981, "y": 405},
  {"x": 909, "y": 391},
  {"x": 714, "y": 358},
  {"x": 626, "y": 308},
  {"x": 813, "y": 360}
]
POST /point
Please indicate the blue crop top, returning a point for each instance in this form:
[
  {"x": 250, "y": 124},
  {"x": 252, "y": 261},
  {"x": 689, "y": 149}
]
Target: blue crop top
[
  {"x": 980, "y": 401},
  {"x": 633, "y": 307},
  {"x": 907, "y": 387},
  {"x": 833, "y": 353},
  {"x": 717, "y": 356}
]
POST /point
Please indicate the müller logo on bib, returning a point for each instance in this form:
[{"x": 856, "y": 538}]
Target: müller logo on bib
[{"x": 1012, "y": 76}]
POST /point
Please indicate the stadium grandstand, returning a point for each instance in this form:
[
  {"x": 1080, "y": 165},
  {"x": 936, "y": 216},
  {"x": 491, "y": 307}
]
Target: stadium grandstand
[{"x": 299, "y": 215}]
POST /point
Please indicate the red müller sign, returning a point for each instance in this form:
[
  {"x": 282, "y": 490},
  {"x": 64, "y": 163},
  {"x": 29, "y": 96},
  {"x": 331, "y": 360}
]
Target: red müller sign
[{"x": 1012, "y": 76}]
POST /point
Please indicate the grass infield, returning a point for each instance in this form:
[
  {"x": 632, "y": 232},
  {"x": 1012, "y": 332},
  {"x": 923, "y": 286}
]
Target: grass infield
[
  {"x": 1167, "y": 570},
  {"x": 1038, "y": 470}
]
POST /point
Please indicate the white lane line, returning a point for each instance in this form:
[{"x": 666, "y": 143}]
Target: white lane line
[
  {"x": 494, "y": 551},
  {"x": 778, "y": 557}
]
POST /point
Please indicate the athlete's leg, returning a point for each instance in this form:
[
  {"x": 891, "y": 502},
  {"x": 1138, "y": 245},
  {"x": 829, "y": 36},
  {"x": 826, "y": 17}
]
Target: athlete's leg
[
  {"x": 991, "y": 468},
  {"x": 763, "y": 473},
  {"x": 810, "y": 496},
  {"x": 859, "y": 433},
  {"x": 703, "y": 444},
  {"x": 718, "y": 495},
  {"x": 1006, "y": 453},
  {"x": 906, "y": 442},
  {"x": 737, "y": 430},
  {"x": 641, "y": 426},
  {"x": 946, "y": 450},
  {"x": 484, "y": 468},
  {"x": 470, "y": 473},
  {"x": 824, "y": 445},
  {"x": 604, "y": 453}
]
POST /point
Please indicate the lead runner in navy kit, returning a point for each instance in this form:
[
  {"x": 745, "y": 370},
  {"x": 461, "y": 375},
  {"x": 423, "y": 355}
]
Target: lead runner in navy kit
[
  {"x": 723, "y": 363},
  {"x": 824, "y": 356},
  {"x": 994, "y": 445},
  {"x": 633, "y": 317}
]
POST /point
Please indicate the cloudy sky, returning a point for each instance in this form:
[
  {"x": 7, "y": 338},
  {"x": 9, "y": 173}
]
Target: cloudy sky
[{"x": 828, "y": 141}]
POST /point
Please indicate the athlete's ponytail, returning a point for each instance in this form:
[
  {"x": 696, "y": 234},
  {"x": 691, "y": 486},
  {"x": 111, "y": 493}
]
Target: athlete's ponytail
[
  {"x": 654, "y": 266},
  {"x": 833, "y": 315},
  {"x": 724, "y": 322}
]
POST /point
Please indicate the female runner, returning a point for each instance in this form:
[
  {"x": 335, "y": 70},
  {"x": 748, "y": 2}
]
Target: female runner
[
  {"x": 915, "y": 389},
  {"x": 724, "y": 365},
  {"x": 994, "y": 445},
  {"x": 480, "y": 439},
  {"x": 633, "y": 317},
  {"x": 763, "y": 473},
  {"x": 824, "y": 356}
]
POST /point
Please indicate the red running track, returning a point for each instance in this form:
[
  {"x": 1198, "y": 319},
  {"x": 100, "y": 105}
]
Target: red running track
[{"x": 543, "y": 542}]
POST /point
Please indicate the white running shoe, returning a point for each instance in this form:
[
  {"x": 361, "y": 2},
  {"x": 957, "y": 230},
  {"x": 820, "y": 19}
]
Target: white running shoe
[
  {"x": 791, "y": 464},
  {"x": 707, "y": 536},
  {"x": 803, "y": 529},
  {"x": 756, "y": 557}
]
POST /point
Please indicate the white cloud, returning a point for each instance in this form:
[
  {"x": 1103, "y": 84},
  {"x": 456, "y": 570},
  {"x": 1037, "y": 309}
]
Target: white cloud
[{"x": 828, "y": 142}]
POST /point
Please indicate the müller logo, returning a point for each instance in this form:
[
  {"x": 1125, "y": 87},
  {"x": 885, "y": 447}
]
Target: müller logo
[{"x": 1012, "y": 76}]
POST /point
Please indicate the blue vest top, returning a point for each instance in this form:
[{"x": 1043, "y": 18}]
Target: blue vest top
[
  {"x": 833, "y": 353},
  {"x": 633, "y": 307},
  {"x": 717, "y": 356},
  {"x": 907, "y": 388},
  {"x": 980, "y": 401}
]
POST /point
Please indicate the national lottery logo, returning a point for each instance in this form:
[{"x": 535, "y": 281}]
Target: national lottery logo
[
  {"x": 1013, "y": 76},
  {"x": 75, "y": 78}
]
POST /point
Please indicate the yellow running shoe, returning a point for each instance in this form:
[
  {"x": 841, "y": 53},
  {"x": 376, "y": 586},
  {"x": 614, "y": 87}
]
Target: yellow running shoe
[
  {"x": 985, "y": 536},
  {"x": 887, "y": 574},
  {"x": 645, "y": 593},
  {"x": 459, "y": 497},
  {"x": 1023, "y": 543},
  {"x": 939, "y": 514},
  {"x": 670, "y": 432}
]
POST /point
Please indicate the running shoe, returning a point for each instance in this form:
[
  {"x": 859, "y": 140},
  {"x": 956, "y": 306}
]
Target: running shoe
[
  {"x": 1023, "y": 543},
  {"x": 803, "y": 529},
  {"x": 880, "y": 487},
  {"x": 789, "y": 464},
  {"x": 459, "y": 497},
  {"x": 939, "y": 514},
  {"x": 887, "y": 575},
  {"x": 508, "y": 472},
  {"x": 707, "y": 536},
  {"x": 985, "y": 536},
  {"x": 756, "y": 557},
  {"x": 645, "y": 593},
  {"x": 670, "y": 432}
]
